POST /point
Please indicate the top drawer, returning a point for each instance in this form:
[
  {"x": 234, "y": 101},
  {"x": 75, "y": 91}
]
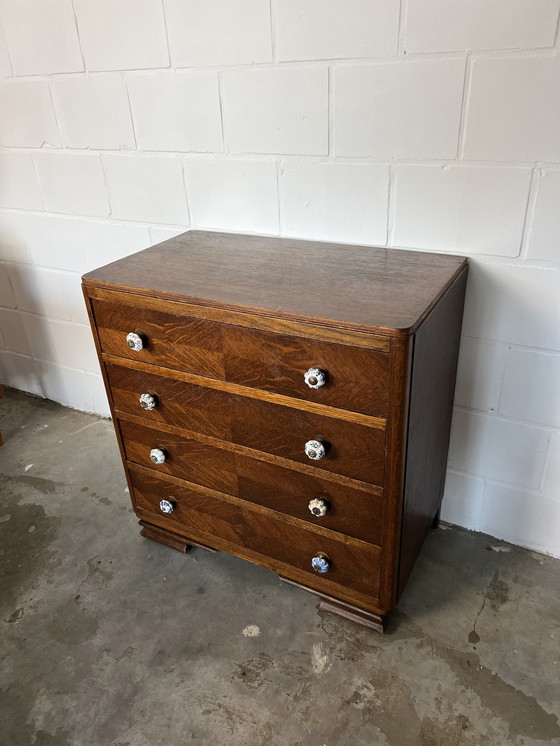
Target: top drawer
[{"x": 356, "y": 379}]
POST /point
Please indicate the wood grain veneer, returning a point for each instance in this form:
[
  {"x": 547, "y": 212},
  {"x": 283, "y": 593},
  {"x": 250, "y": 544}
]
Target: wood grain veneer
[{"x": 229, "y": 325}]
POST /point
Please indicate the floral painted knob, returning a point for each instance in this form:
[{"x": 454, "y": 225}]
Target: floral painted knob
[
  {"x": 167, "y": 506},
  {"x": 158, "y": 455},
  {"x": 318, "y": 506},
  {"x": 315, "y": 378},
  {"x": 315, "y": 450},
  {"x": 321, "y": 563},
  {"x": 135, "y": 341},
  {"x": 148, "y": 401}
]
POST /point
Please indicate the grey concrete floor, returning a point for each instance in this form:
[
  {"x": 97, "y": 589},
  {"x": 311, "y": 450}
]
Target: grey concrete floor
[{"x": 108, "y": 639}]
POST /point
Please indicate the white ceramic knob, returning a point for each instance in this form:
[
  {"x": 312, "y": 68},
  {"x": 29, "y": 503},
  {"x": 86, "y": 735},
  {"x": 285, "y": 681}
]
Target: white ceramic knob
[
  {"x": 158, "y": 455},
  {"x": 167, "y": 506},
  {"x": 315, "y": 378},
  {"x": 315, "y": 450},
  {"x": 318, "y": 506},
  {"x": 134, "y": 341},
  {"x": 321, "y": 563},
  {"x": 148, "y": 401}
]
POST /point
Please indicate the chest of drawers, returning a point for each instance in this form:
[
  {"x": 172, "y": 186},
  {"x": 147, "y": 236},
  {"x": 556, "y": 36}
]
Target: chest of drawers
[{"x": 285, "y": 401}]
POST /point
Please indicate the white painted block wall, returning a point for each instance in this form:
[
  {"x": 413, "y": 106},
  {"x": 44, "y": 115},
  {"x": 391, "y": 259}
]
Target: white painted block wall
[{"x": 423, "y": 124}]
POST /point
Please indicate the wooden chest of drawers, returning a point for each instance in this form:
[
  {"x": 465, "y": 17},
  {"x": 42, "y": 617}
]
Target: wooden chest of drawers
[{"x": 285, "y": 401}]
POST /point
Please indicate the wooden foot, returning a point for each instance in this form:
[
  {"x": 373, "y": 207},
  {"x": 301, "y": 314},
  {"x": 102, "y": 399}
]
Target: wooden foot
[
  {"x": 435, "y": 522},
  {"x": 170, "y": 539},
  {"x": 345, "y": 609}
]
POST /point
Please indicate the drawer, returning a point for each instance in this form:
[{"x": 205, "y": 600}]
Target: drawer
[
  {"x": 353, "y": 512},
  {"x": 356, "y": 378},
  {"x": 353, "y": 450},
  {"x": 354, "y": 565}
]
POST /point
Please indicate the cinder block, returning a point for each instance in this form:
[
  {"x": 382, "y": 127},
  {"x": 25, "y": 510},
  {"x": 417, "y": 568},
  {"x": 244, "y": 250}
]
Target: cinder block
[
  {"x": 443, "y": 26},
  {"x": 5, "y": 65},
  {"x": 480, "y": 374},
  {"x": 42, "y": 36},
  {"x": 399, "y": 109},
  {"x": 552, "y": 478},
  {"x": 39, "y": 291},
  {"x": 276, "y": 111},
  {"x": 20, "y": 372},
  {"x": 64, "y": 385},
  {"x": 329, "y": 29},
  {"x": 233, "y": 194},
  {"x": 122, "y": 34},
  {"x": 72, "y": 285},
  {"x": 160, "y": 233},
  {"x": 106, "y": 242},
  {"x": 462, "y": 500},
  {"x": 27, "y": 119},
  {"x": 218, "y": 32},
  {"x": 93, "y": 112},
  {"x": 13, "y": 331},
  {"x": 73, "y": 183},
  {"x": 145, "y": 188},
  {"x": 521, "y": 517},
  {"x": 19, "y": 186},
  {"x": 98, "y": 395},
  {"x": 506, "y": 451},
  {"x": 54, "y": 242},
  {"x": 513, "y": 303},
  {"x": 177, "y": 112},
  {"x": 12, "y": 244},
  {"x": 514, "y": 109},
  {"x": 7, "y": 295},
  {"x": 463, "y": 209},
  {"x": 335, "y": 201},
  {"x": 544, "y": 239},
  {"x": 531, "y": 389},
  {"x": 72, "y": 345}
]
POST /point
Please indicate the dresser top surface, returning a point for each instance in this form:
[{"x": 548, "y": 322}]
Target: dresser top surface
[{"x": 385, "y": 291}]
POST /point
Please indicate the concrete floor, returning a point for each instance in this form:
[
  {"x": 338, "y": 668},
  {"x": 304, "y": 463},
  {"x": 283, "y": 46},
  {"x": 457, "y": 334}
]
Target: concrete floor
[{"x": 108, "y": 639}]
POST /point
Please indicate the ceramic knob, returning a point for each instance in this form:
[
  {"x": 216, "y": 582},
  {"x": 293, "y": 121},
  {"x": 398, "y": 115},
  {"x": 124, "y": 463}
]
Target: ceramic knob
[
  {"x": 315, "y": 378},
  {"x": 158, "y": 455},
  {"x": 135, "y": 341},
  {"x": 318, "y": 506},
  {"x": 315, "y": 450},
  {"x": 148, "y": 401},
  {"x": 167, "y": 506},
  {"x": 321, "y": 563}
]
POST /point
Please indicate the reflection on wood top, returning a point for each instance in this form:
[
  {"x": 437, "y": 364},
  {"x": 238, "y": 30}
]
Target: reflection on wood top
[{"x": 382, "y": 291}]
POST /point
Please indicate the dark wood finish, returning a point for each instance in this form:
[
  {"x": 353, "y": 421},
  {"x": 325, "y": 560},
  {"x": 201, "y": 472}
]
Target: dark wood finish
[
  {"x": 365, "y": 339},
  {"x": 209, "y": 519},
  {"x": 356, "y": 378},
  {"x": 347, "y": 610},
  {"x": 353, "y": 512},
  {"x": 233, "y": 322},
  {"x": 354, "y": 451},
  {"x": 356, "y": 287},
  {"x": 167, "y": 538},
  {"x": 431, "y": 405}
]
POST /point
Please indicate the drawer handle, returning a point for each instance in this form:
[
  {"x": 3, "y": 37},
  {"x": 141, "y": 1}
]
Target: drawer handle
[
  {"x": 318, "y": 506},
  {"x": 158, "y": 455},
  {"x": 321, "y": 563},
  {"x": 135, "y": 341},
  {"x": 148, "y": 401},
  {"x": 315, "y": 378},
  {"x": 315, "y": 450},
  {"x": 167, "y": 506}
]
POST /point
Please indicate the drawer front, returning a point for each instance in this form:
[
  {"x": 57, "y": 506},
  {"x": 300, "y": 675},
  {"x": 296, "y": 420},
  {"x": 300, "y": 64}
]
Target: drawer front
[
  {"x": 352, "y": 512},
  {"x": 201, "y": 517},
  {"x": 356, "y": 379},
  {"x": 353, "y": 450}
]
